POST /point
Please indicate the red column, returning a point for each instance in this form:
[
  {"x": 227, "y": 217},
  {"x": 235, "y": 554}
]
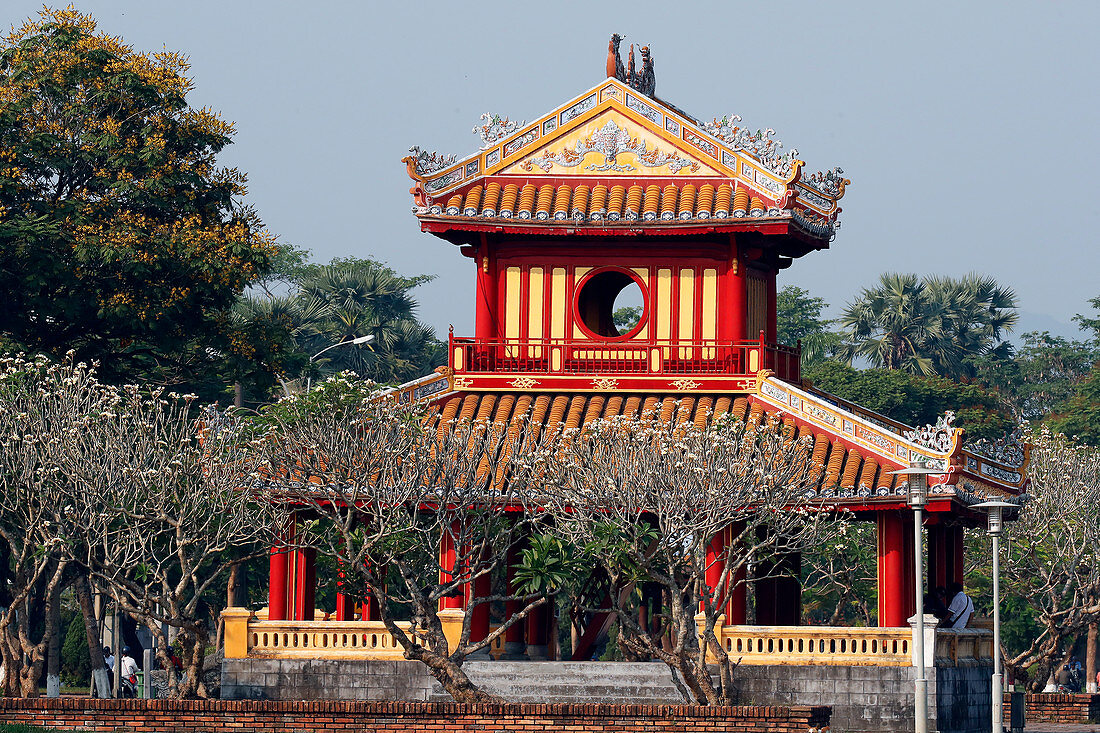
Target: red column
[
  {"x": 716, "y": 566},
  {"x": 277, "y": 585},
  {"x": 731, "y": 323},
  {"x": 938, "y": 563},
  {"x": 305, "y": 584},
  {"x": 447, "y": 560},
  {"x": 486, "y": 295},
  {"x": 895, "y": 595}
]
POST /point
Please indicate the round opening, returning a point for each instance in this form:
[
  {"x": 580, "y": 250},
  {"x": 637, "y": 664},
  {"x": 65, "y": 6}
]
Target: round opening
[{"x": 611, "y": 304}]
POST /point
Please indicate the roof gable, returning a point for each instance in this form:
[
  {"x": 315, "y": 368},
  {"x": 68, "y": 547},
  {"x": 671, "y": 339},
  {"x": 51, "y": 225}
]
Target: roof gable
[{"x": 613, "y": 130}]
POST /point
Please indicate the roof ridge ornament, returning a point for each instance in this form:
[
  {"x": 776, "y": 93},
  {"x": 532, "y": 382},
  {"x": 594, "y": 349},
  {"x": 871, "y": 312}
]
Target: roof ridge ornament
[
  {"x": 644, "y": 81},
  {"x": 429, "y": 162},
  {"x": 831, "y": 182},
  {"x": 760, "y": 144},
  {"x": 937, "y": 437},
  {"x": 495, "y": 129}
]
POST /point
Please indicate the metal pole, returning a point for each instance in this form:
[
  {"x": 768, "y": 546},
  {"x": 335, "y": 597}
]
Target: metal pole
[
  {"x": 147, "y": 674},
  {"x": 921, "y": 684},
  {"x": 998, "y": 683}
]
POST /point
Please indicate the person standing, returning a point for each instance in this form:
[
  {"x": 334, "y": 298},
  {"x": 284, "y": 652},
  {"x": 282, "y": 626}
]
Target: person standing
[
  {"x": 129, "y": 674},
  {"x": 961, "y": 607}
]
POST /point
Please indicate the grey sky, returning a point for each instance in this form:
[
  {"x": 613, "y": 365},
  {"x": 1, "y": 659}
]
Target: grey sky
[{"x": 967, "y": 129}]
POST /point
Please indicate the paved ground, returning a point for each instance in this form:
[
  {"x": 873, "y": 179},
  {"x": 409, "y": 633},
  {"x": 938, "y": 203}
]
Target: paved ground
[{"x": 1062, "y": 728}]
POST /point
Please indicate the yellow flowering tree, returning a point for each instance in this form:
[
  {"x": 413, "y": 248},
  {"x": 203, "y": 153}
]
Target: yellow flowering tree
[{"x": 120, "y": 235}]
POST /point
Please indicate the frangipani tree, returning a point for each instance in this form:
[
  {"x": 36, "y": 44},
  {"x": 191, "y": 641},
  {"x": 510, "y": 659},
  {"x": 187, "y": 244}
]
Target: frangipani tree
[
  {"x": 646, "y": 499},
  {"x": 389, "y": 485}
]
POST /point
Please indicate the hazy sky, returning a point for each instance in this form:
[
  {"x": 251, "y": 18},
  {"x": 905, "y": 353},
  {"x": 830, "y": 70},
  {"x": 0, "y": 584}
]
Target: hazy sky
[{"x": 967, "y": 129}]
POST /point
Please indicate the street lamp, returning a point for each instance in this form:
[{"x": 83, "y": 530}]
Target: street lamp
[
  {"x": 995, "y": 515},
  {"x": 917, "y": 497},
  {"x": 357, "y": 340}
]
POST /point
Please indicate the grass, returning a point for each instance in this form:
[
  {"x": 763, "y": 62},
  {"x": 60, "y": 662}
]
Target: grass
[{"x": 14, "y": 728}]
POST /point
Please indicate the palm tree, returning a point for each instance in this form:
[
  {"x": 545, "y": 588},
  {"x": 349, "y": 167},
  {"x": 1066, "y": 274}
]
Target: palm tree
[
  {"x": 932, "y": 326},
  {"x": 363, "y": 298}
]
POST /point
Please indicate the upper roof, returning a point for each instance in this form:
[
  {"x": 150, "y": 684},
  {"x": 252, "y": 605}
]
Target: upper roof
[{"x": 614, "y": 158}]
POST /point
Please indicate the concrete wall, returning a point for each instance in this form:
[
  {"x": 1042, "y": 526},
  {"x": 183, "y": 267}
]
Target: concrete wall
[
  {"x": 875, "y": 699},
  {"x": 535, "y": 682},
  {"x": 864, "y": 699}
]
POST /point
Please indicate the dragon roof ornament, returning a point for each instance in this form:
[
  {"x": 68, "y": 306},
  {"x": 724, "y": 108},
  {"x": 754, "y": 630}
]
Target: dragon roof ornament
[
  {"x": 495, "y": 129},
  {"x": 430, "y": 162},
  {"x": 936, "y": 437},
  {"x": 1007, "y": 449},
  {"x": 760, "y": 144},
  {"x": 831, "y": 182}
]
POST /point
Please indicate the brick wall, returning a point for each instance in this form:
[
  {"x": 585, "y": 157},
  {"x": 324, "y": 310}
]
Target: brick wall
[
  {"x": 246, "y": 716},
  {"x": 1055, "y": 708}
]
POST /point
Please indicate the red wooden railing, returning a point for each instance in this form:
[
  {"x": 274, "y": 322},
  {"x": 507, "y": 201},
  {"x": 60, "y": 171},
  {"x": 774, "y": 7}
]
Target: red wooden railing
[{"x": 642, "y": 357}]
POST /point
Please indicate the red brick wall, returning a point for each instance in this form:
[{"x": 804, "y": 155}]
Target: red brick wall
[
  {"x": 245, "y": 716},
  {"x": 1056, "y": 708}
]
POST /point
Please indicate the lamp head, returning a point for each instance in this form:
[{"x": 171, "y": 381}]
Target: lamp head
[
  {"x": 995, "y": 515},
  {"x": 363, "y": 339},
  {"x": 917, "y": 476}
]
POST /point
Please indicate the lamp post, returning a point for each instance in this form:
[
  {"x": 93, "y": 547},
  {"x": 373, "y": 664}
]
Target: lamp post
[
  {"x": 917, "y": 497},
  {"x": 994, "y": 528},
  {"x": 357, "y": 340}
]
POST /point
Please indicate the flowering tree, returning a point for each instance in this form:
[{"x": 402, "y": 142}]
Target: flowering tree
[
  {"x": 174, "y": 513},
  {"x": 120, "y": 235},
  {"x": 1052, "y": 553},
  {"x": 44, "y": 411},
  {"x": 645, "y": 500},
  {"x": 390, "y": 484}
]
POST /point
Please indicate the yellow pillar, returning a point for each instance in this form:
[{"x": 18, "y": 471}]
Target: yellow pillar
[
  {"x": 236, "y": 632},
  {"x": 452, "y": 619}
]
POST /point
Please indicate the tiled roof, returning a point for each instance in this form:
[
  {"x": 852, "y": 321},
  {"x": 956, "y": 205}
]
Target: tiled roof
[
  {"x": 601, "y": 204},
  {"x": 837, "y": 469}
]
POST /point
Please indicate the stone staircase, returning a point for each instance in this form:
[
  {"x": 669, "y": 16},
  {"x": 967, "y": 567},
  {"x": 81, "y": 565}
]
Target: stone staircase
[{"x": 579, "y": 682}]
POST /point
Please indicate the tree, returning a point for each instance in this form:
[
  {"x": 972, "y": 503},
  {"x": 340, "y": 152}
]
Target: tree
[
  {"x": 120, "y": 236},
  {"x": 1042, "y": 375},
  {"x": 799, "y": 318},
  {"x": 44, "y": 410},
  {"x": 914, "y": 400},
  {"x": 931, "y": 326},
  {"x": 358, "y": 297},
  {"x": 172, "y": 513},
  {"x": 391, "y": 484},
  {"x": 645, "y": 502},
  {"x": 840, "y": 586},
  {"x": 1052, "y": 553}
]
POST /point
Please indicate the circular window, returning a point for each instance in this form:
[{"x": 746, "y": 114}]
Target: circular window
[{"x": 611, "y": 304}]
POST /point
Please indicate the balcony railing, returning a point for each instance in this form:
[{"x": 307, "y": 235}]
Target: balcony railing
[{"x": 583, "y": 357}]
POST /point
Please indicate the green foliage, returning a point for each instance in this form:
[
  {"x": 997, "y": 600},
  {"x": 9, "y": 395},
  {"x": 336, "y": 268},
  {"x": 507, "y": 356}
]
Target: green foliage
[
  {"x": 912, "y": 399},
  {"x": 627, "y": 317},
  {"x": 799, "y": 318},
  {"x": 1044, "y": 373},
  {"x": 547, "y": 565},
  {"x": 120, "y": 236},
  {"x": 1079, "y": 417},
  {"x": 931, "y": 326},
  {"x": 75, "y": 664}
]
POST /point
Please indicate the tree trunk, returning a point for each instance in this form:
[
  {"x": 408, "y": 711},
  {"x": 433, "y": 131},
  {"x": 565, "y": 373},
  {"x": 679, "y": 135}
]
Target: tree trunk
[
  {"x": 193, "y": 643},
  {"x": 53, "y": 658},
  {"x": 91, "y": 630},
  {"x": 1090, "y": 658},
  {"x": 238, "y": 394}
]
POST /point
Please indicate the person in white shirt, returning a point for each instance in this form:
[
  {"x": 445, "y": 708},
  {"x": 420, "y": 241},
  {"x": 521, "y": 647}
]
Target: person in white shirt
[
  {"x": 129, "y": 672},
  {"x": 960, "y": 609}
]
